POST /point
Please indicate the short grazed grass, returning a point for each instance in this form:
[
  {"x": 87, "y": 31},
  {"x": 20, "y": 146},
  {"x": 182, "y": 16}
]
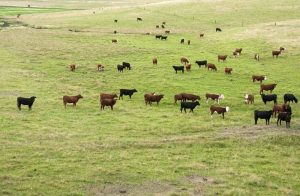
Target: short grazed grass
[{"x": 142, "y": 150}]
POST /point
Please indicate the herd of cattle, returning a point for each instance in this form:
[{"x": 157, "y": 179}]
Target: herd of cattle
[{"x": 191, "y": 101}]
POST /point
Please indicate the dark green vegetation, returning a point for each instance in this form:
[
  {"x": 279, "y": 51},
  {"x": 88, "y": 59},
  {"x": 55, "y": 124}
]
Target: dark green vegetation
[{"x": 55, "y": 151}]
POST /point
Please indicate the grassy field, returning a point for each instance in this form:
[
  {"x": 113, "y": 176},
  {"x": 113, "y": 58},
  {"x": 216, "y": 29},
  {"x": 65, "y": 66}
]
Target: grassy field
[{"x": 137, "y": 149}]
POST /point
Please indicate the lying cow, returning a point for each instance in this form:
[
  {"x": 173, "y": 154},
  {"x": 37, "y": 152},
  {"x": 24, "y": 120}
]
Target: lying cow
[
  {"x": 267, "y": 87},
  {"x": 211, "y": 67},
  {"x": 290, "y": 98},
  {"x": 284, "y": 116},
  {"x": 25, "y": 101},
  {"x": 107, "y": 102},
  {"x": 188, "y": 105},
  {"x": 271, "y": 97},
  {"x": 249, "y": 98},
  {"x": 214, "y": 97},
  {"x": 178, "y": 68},
  {"x": 258, "y": 78},
  {"x": 188, "y": 96},
  {"x": 71, "y": 99},
  {"x": 152, "y": 98},
  {"x": 263, "y": 115},
  {"x": 219, "y": 110},
  {"x": 199, "y": 63},
  {"x": 128, "y": 92}
]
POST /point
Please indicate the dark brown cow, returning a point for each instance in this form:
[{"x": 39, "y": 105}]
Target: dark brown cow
[
  {"x": 152, "y": 98},
  {"x": 182, "y": 41},
  {"x": 184, "y": 60},
  {"x": 256, "y": 57},
  {"x": 201, "y": 34},
  {"x": 214, "y": 97},
  {"x": 249, "y": 98},
  {"x": 162, "y": 26},
  {"x": 108, "y": 96},
  {"x": 284, "y": 116},
  {"x": 114, "y": 41},
  {"x": 100, "y": 67},
  {"x": 189, "y": 42},
  {"x": 219, "y": 110},
  {"x": 276, "y": 53},
  {"x": 71, "y": 99},
  {"x": 139, "y": 19},
  {"x": 188, "y": 67},
  {"x": 154, "y": 61},
  {"x": 211, "y": 66},
  {"x": 239, "y": 50},
  {"x": 164, "y": 23},
  {"x": 228, "y": 70},
  {"x": 188, "y": 96},
  {"x": 258, "y": 78},
  {"x": 267, "y": 87},
  {"x": 235, "y": 54},
  {"x": 281, "y": 49},
  {"x": 167, "y": 32},
  {"x": 279, "y": 108},
  {"x": 157, "y": 26},
  {"x": 72, "y": 67},
  {"x": 222, "y": 57},
  {"x": 107, "y": 102},
  {"x": 178, "y": 97}
]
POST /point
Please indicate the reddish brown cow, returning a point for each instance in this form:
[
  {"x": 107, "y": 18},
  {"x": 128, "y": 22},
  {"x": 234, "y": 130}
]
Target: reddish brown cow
[
  {"x": 114, "y": 41},
  {"x": 71, "y": 99},
  {"x": 258, "y": 78},
  {"x": 201, "y": 34},
  {"x": 214, "y": 97},
  {"x": 267, "y": 87},
  {"x": 222, "y": 57},
  {"x": 279, "y": 108},
  {"x": 72, "y": 67},
  {"x": 219, "y": 110},
  {"x": 188, "y": 96},
  {"x": 211, "y": 66},
  {"x": 154, "y": 61},
  {"x": 107, "y": 96},
  {"x": 276, "y": 53},
  {"x": 152, "y": 98},
  {"x": 184, "y": 60},
  {"x": 249, "y": 98},
  {"x": 239, "y": 50},
  {"x": 188, "y": 67},
  {"x": 178, "y": 97},
  {"x": 107, "y": 102},
  {"x": 228, "y": 70}
]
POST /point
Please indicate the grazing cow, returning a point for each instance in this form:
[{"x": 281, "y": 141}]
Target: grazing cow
[
  {"x": 201, "y": 34},
  {"x": 163, "y": 37},
  {"x": 218, "y": 29},
  {"x": 258, "y": 78},
  {"x": 184, "y": 60},
  {"x": 262, "y": 115},
  {"x": 107, "y": 102},
  {"x": 188, "y": 67},
  {"x": 228, "y": 70},
  {"x": 276, "y": 53},
  {"x": 182, "y": 41},
  {"x": 162, "y": 26},
  {"x": 107, "y": 96},
  {"x": 126, "y": 65},
  {"x": 115, "y": 20},
  {"x": 239, "y": 50},
  {"x": 290, "y": 98},
  {"x": 279, "y": 108},
  {"x": 271, "y": 97},
  {"x": 152, "y": 98},
  {"x": 100, "y": 67},
  {"x": 267, "y": 87},
  {"x": 114, "y": 41},
  {"x": 188, "y": 96},
  {"x": 157, "y": 26},
  {"x": 284, "y": 116},
  {"x": 189, "y": 42},
  {"x": 211, "y": 66},
  {"x": 72, "y": 67},
  {"x": 167, "y": 32},
  {"x": 154, "y": 61},
  {"x": 249, "y": 98},
  {"x": 178, "y": 68},
  {"x": 188, "y": 105},
  {"x": 214, "y": 97},
  {"x": 235, "y": 54},
  {"x": 25, "y": 101},
  {"x": 256, "y": 57},
  {"x": 71, "y": 99},
  {"x": 139, "y": 19},
  {"x": 120, "y": 68},
  {"x": 219, "y": 110},
  {"x": 201, "y": 63},
  {"x": 178, "y": 97},
  {"x": 158, "y": 36},
  {"x": 128, "y": 92},
  {"x": 222, "y": 57},
  {"x": 164, "y": 23}
]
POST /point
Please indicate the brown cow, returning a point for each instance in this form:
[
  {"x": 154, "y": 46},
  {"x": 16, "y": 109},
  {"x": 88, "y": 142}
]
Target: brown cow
[
  {"x": 184, "y": 60},
  {"x": 157, "y": 26},
  {"x": 276, "y": 53},
  {"x": 219, "y": 110},
  {"x": 188, "y": 96},
  {"x": 154, "y": 61},
  {"x": 107, "y": 102},
  {"x": 178, "y": 97},
  {"x": 228, "y": 70},
  {"x": 189, "y": 42},
  {"x": 256, "y": 57},
  {"x": 249, "y": 98},
  {"x": 235, "y": 54},
  {"x": 188, "y": 67},
  {"x": 167, "y": 32},
  {"x": 267, "y": 87},
  {"x": 100, "y": 67},
  {"x": 201, "y": 34},
  {"x": 71, "y": 99},
  {"x": 72, "y": 67},
  {"x": 211, "y": 66},
  {"x": 152, "y": 98},
  {"x": 279, "y": 108},
  {"x": 114, "y": 41},
  {"x": 107, "y": 96},
  {"x": 222, "y": 57},
  {"x": 239, "y": 50},
  {"x": 258, "y": 78},
  {"x": 214, "y": 97}
]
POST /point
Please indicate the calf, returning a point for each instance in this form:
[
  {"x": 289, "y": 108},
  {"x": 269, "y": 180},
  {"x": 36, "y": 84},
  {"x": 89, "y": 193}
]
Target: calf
[
  {"x": 126, "y": 65},
  {"x": 182, "y": 41},
  {"x": 188, "y": 105},
  {"x": 107, "y": 96},
  {"x": 107, "y": 102},
  {"x": 214, "y": 97},
  {"x": 262, "y": 115},
  {"x": 266, "y": 98},
  {"x": 199, "y": 63},
  {"x": 256, "y": 57},
  {"x": 128, "y": 92},
  {"x": 184, "y": 60},
  {"x": 284, "y": 116},
  {"x": 279, "y": 108},
  {"x": 120, "y": 68},
  {"x": 228, "y": 70},
  {"x": 222, "y": 57},
  {"x": 178, "y": 68},
  {"x": 192, "y": 97},
  {"x": 114, "y": 41},
  {"x": 152, "y": 98},
  {"x": 249, "y": 98},
  {"x": 71, "y": 99},
  {"x": 219, "y": 110},
  {"x": 178, "y": 97},
  {"x": 188, "y": 67},
  {"x": 211, "y": 67},
  {"x": 267, "y": 87},
  {"x": 154, "y": 61},
  {"x": 218, "y": 29},
  {"x": 258, "y": 78},
  {"x": 72, "y": 67},
  {"x": 25, "y": 101},
  {"x": 290, "y": 98}
]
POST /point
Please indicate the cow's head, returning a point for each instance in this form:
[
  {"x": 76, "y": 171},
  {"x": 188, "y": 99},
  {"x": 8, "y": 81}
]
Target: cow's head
[
  {"x": 227, "y": 109},
  {"x": 221, "y": 96},
  {"x": 134, "y": 90}
]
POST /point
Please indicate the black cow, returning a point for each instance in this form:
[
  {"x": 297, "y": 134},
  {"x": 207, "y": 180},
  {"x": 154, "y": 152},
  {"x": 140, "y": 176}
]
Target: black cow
[
  {"x": 271, "y": 97},
  {"x": 204, "y": 62},
  {"x": 25, "y": 101},
  {"x": 189, "y": 105},
  {"x": 128, "y": 92},
  {"x": 290, "y": 97},
  {"x": 158, "y": 36},
  {"x": 218, "y": 29},
  {"x": 163, "y": 37},
  {"x": 178, "y": 68},
  {"x": 126, "y": 65},
  {"x": 284, "y": 116},
  {"x": 182, "y": 41},
  {"x": 263, "y": 115},
  {"x": 120, "y": 68}
]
